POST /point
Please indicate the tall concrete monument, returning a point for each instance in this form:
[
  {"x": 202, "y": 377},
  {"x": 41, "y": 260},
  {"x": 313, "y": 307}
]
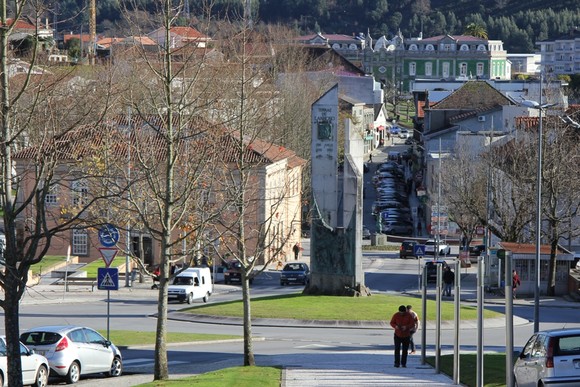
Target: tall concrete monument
[{"x": 335, "y": 245}]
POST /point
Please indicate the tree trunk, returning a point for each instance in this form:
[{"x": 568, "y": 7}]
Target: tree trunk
[
  {"x": 161, "y": 371},
  {"x": 12, "y": 327},
  {"x": 551, "y": 291},
  {"x": 248, "y": 346}
]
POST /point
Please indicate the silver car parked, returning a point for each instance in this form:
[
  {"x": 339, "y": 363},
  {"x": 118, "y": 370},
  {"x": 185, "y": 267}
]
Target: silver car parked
[
  {"x": 34, "y": 366},
  {"x": 550, "y": 358},
  {"x": 73, "y": 351}
]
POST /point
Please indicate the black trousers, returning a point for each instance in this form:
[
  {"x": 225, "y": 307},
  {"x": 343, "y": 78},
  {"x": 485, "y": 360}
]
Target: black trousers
[{"x": 404, "y": 342}]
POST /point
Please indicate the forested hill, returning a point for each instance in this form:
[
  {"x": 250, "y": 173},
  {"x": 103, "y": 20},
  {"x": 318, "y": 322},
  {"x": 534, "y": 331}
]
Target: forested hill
[{"x": 518, "y": 23}]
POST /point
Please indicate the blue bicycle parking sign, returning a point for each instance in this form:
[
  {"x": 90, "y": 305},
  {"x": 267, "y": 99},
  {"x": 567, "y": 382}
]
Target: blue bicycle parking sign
[{"x": 108, "y": 235}]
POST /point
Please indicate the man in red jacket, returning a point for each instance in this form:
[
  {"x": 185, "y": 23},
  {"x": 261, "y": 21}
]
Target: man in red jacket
[{"x": 403, "y": 323}]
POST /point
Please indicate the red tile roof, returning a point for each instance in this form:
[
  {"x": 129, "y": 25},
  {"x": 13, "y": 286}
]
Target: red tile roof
[
  {"x": 20, "y": 24},
  {"x": 522, "y": 248},
  {"x": 188, "y": 32},
  {"x": 84, "y": 141}
]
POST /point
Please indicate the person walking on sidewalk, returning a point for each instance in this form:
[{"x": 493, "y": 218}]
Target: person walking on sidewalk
[
  {"x": 296, "y": 250},
  {"x": 448, "y": 280},
  {"x": 370, "y": 157},
  {"x": 515, "y": 283},
  {"x": 402, "y": 322},
  {"x": 415, "y": 328}
]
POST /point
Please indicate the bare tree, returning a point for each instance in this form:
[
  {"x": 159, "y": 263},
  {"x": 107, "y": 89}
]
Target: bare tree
[
  {"x": 172, "y": 95},
  {"x": 43, "y": 112},
  {"x": 560, "y": 191},
  {"x": 464, "y": 190},
  {"x": 262, "y": 179}
]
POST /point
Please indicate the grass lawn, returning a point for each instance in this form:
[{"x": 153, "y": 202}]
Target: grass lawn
[
  {"x": 378, "y": 307},
  {"x": 92, "y": 268},
  {"x": 235, "y": 376},
  {"x": 125, "y": 338},
  {"x": 493, "y": 368},
  {"x": 46, "y": 264}
]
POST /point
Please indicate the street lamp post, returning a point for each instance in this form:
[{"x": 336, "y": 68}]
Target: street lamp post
[
  {"x": 538, "y": 225},
  {"x": 540, "y": 107}
]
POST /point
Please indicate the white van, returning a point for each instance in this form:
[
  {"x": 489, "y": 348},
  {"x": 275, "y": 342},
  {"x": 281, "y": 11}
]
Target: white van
[{"x": 191, "y": 284}]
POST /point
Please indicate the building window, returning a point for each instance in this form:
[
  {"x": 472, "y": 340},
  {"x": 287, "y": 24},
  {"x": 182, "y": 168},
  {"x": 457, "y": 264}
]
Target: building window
[
  {"x": 463, "y": 69},
  {"x": 445, "y": 72},
  {"x": 464, "y": 47},
  {"x": 430, "y": 47},
  {"x": 481, "y": 47},
  {"x": 413, "y": 47},
  {"x": 80, "y": 190},
  {"x": 412, "y": 68},
  {"x": 336, "y": 46},
  {"x": 428, "y": 68},
  {"x": 479, "y": 69},
  {"x": 80, "y": 242},
  {"x": 51, "y": 197}
]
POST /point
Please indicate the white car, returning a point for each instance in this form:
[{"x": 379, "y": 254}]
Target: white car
[
  {"x": 73, "y": 351},
  {"x": 404, "y": 133},
  {"x": 34, "y": 366},
  {"x": 549, "y": 358},
  {"x": 444, "y": 248}
]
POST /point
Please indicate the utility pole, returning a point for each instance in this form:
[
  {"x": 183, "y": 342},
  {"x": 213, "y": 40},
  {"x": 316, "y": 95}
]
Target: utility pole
[{"x": 92, "y": 31}]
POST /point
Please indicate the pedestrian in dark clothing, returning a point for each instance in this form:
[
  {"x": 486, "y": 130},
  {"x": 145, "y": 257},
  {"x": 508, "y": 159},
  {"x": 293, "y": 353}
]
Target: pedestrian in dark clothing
[
  {"x": 296, "y": 250},
  {"x": 448, "y": 280},
  {"x": 370, "y": 157},
  {"x": 403, "y": 323},
  {"x": 419, "y": 229}
]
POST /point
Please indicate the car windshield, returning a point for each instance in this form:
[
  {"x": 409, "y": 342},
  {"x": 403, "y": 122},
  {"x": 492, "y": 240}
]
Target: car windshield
[{"x": 294, "y": 267}]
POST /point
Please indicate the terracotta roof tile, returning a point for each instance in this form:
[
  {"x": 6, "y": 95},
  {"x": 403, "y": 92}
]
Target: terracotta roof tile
[{"x": 526, "y": 248}]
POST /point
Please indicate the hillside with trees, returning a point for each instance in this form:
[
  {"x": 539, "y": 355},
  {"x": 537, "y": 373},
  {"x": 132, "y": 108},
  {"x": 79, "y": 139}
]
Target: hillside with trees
[{"x": 519, "y": 24}]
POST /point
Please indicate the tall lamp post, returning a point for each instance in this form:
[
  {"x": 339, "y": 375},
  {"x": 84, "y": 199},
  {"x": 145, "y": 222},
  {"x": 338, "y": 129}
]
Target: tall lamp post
[{"x": 540, "y": 107}]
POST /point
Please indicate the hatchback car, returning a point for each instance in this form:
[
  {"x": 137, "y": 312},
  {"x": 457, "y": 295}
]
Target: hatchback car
[
  {"x": 444, "y": 248},
  {"x": 233, "y": 272},
  {"x": 295, "y": 273},
  {"x": 73, "y": 351},
  {"x": 549, "y": 358},
  {"x": 35, "y": 367},
  {"x": 407, "y": 249},
  {"x": 476, "y": 250}
]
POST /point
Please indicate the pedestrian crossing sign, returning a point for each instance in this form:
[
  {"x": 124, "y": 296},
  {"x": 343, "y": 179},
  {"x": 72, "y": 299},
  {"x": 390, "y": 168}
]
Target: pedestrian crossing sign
[
  {"x": 108, "y": 278},
  {"x": 419, "y": 250}
]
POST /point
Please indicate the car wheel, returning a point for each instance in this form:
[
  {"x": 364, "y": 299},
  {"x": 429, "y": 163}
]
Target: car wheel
[
  {"x": 206, "y": 297},
  {"x": 116, "y": 367},
  {"x": 190, "y": 298},
  {"x": 74, "y": 373},
  {"x": 226, "y": 281},
  {"x": 282, "y": 283},
  {"x": 1, "y": 380},
  {"x": 41, "y": 377}
]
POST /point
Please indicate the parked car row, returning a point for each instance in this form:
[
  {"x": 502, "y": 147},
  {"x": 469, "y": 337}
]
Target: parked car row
[{"x": 392, "y": 200}]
